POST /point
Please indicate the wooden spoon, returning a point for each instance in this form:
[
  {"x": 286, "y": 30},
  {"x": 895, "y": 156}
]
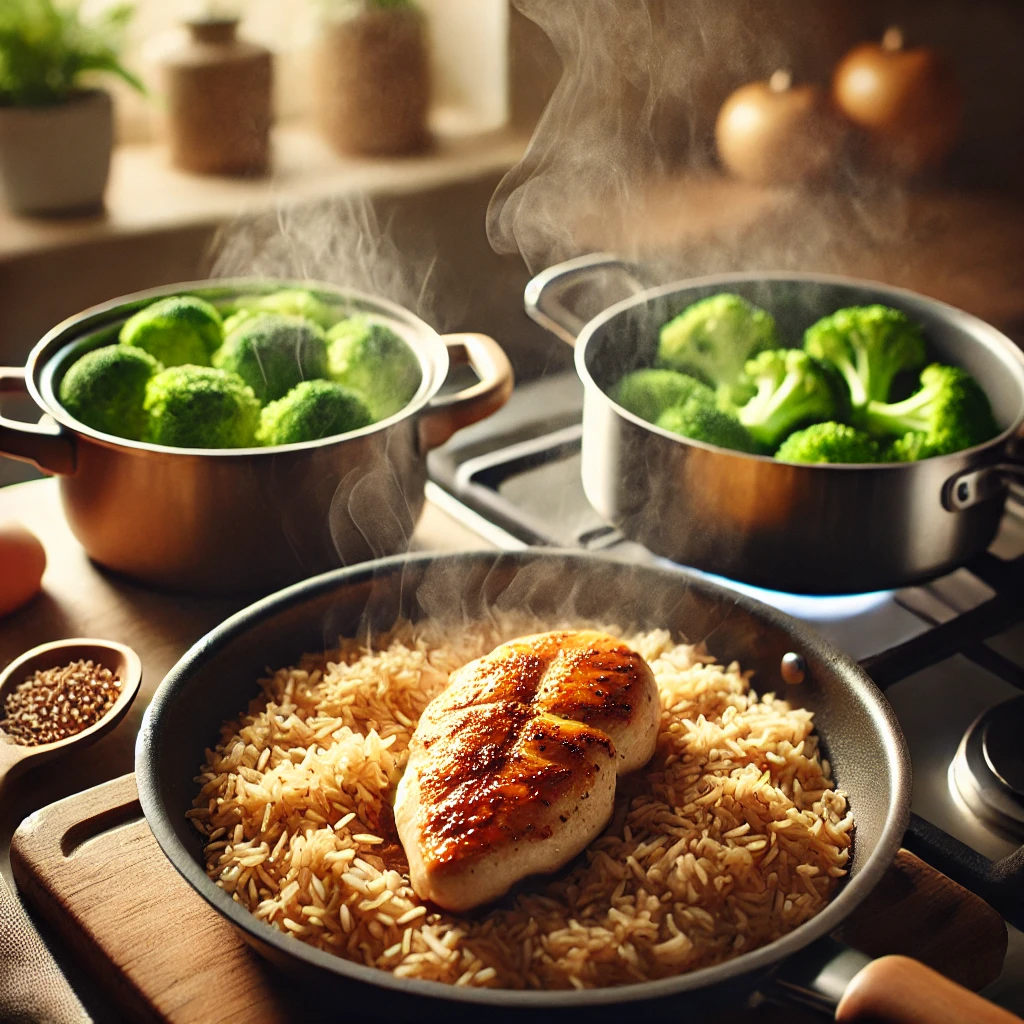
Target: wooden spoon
[{"x": 122, "y": 661}]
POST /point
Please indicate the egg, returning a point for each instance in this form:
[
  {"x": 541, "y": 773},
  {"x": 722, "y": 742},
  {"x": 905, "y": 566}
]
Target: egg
[{"x": 22, "y": 562}]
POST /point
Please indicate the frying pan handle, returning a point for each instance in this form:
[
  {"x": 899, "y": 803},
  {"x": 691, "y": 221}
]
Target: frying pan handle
[
  {"x": 545, "y": 296},
  {"x": 448, "y": 413},
  {"x": 899, "y": 990},
  {"x": 47, "y": 445},
  {"x": 829, "y": 976}
]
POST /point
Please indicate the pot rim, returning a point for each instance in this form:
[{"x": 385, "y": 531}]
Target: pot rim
[
  {"x": 854, "y": 889},
  {"x": 660, "y": 291},
  {"x": 45, "y": 353}
]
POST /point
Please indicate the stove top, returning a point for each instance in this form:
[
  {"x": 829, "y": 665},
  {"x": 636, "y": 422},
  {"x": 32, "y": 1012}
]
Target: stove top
[{"x": 948, "y": 654}]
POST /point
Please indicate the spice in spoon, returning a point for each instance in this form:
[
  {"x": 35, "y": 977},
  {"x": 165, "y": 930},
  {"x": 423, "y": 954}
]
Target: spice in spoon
[{"x": 56, "y": 703}]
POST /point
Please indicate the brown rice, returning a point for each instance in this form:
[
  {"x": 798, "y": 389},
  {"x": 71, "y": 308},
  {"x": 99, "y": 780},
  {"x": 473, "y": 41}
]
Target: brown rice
[{"x": 732, "y": 836}]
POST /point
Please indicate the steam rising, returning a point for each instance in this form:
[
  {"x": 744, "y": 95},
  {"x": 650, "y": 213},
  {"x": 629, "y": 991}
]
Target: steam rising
[
  {"x": 343, "y": 241},
  {"x": 537, "y": 591},
  {"x": 622, "y": 158},
  {"x": 372, "y": 486}
]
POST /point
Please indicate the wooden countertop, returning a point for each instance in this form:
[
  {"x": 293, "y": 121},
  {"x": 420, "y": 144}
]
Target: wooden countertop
[{"x": 80, "y": 599}]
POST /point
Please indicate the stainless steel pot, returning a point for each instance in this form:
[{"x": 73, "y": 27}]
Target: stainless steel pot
[
  {"x": 816, "y": 529},
  {"x": 237, "y": 520}
]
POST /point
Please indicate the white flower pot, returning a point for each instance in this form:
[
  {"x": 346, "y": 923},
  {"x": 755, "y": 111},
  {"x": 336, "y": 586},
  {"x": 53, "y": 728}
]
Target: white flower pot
[{"x": 56, "y": 159}]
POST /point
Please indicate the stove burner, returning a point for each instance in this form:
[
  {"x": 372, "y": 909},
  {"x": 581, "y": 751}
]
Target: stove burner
[{"x": 988, "y": 769}]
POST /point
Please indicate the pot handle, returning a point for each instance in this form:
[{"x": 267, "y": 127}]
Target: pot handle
[
  {"x": 829, "y": 976},
  {"x": 977, "y": 485},
  {"x": 545, "y": 295},
  {"x": 48, "y": 445},
  {"x": 445, "y": 414}
]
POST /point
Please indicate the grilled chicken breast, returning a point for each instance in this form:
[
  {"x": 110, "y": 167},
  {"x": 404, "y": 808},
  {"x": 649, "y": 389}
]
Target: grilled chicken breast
[{"x": 512, "y": 768}]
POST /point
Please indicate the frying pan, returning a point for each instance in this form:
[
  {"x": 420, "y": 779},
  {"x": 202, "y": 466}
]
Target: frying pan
[
  {"x": 216, "y": 679},
  {"x": 814, "y": 529}
]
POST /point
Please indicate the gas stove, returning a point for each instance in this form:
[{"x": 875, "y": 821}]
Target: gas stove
[{"x": 949, "y": 654}]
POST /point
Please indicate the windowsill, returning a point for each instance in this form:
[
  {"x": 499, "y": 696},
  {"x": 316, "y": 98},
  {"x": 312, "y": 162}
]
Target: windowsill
[{"x": 146, "y": 194}]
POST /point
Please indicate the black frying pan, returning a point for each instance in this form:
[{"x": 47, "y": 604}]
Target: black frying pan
[{"x": 215, "y": 680}]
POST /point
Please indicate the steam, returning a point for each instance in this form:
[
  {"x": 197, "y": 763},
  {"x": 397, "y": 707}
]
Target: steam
[
  {"x": 349, "y": 241},
  {"x": 514, "y": 594},
  {"x": 370, "y": 488},
  {"x": 622, "y": 158}
]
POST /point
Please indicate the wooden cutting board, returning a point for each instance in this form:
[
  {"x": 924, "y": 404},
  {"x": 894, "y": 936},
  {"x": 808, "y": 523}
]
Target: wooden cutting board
[{"x": 91, "y": 867}]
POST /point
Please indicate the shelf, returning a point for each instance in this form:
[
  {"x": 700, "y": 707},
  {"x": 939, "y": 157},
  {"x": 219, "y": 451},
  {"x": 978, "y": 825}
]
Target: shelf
[{"x": 146, "y": 194}]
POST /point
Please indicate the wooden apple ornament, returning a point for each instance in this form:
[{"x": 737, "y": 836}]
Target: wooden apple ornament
[
  {"x": 778, "y": 133},
  {"x": 907, "y": 102}
]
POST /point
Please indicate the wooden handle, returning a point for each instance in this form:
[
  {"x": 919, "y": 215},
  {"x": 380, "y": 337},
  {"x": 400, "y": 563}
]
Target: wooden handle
[{"x": 898, "y": 990}]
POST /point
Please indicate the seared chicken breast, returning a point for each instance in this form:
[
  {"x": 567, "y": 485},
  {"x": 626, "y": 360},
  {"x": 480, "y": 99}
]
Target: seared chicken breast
[{"x": 512, "y": 767}]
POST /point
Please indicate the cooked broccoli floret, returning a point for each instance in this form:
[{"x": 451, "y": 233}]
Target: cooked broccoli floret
[
  {"x": 829, "y": 442},
  {"x": 234, "y": 320},
  {"x": 310, "y": 411},
  {"x": 910, "y": 447},
  {"x": 370, "y": 358},
  {"x": 200, "y": 407},
  {"x": 272, "y": 353},
  {"x": 792, "y": 389},
  {"x": 713, "y": 339},
  {"x": 948, "y": 413},
  {"x": 649, "y": 393},
  {"x": 700, "y": 419},
  {"x": 869, "y": 345},
  {"x": 181, "y": 329},
  {"x": 290, "y": 302},
  {"x": 105, "y": 389}
]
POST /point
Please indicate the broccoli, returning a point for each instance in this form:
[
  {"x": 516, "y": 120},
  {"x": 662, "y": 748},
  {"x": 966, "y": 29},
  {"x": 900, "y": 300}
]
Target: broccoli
[
  {"x": 200, "y": 407},
  {"x": 649, "y": 393},
  {"x": 792, "y": 389},
  {"x": 699, "y": 419},
  {"x": 105, "y": 389},
  {"x": 911, "y": 447},
  {"x": 869, "y": 345},
  {"x": 310, "y": 411},
  {"x": 372, "y": 359},
  {"x": 181, "y": 329},
  {"x": 289, "y": 302},
  {"x": 712, "y": 339},
  {"x": 272, "y": 353},
  {"x": 234, "y": 320},
  {"x": 949, "y": 412},
  {"x": 829, "y": 442}
]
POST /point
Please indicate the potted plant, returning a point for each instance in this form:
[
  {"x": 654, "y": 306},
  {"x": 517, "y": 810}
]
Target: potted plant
[
  {"x": 372, "y": 76},
  {"x": 56, "y": 133}
]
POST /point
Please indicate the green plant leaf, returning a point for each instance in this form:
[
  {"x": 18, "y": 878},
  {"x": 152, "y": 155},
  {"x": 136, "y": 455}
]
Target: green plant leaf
[{"x": 45, "y": 47}]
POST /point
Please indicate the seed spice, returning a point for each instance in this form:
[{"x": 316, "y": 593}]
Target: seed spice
[{"x": 59, "y": 702}]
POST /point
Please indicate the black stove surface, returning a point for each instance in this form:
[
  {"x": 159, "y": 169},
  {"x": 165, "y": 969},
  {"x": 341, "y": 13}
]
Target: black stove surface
[{"x": 946, "y": 653}]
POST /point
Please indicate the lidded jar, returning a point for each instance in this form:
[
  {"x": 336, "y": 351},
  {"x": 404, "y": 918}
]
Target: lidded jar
[{"x": 218, "y": 97}]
